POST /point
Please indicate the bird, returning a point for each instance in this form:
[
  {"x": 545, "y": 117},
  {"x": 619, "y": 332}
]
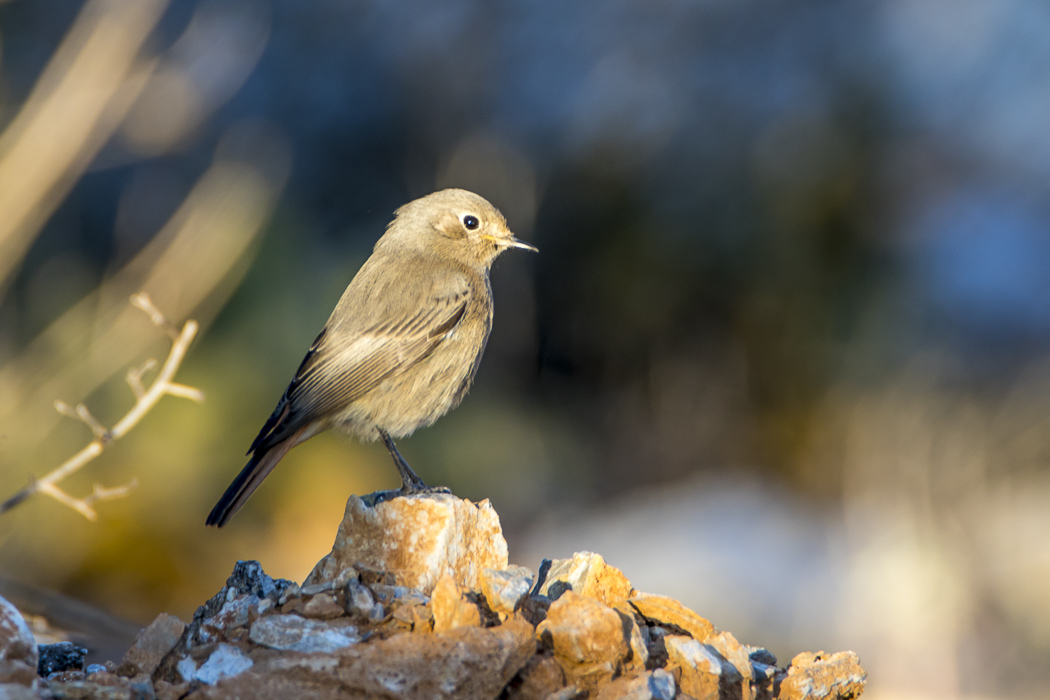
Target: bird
[{"x": 401, "y": 347}]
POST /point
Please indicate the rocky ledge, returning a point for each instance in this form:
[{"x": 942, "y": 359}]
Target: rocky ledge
[{"x": 416, "y": 600}]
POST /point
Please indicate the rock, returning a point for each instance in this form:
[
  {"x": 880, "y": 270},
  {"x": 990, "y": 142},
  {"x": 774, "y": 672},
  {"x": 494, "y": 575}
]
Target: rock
[
  {"x": 225, "y": 662},
  {"x": 294, "y": 633},
  {"x": 412, "y": 617},
  {"x": 248, "y": 577},
  {"x": 152, "y": 645},
  {"x": 735, "y": 653},
  {"x": 323, "y": 606},
  {"x": 705, "y": 672},
  {"x": 317, "y": 589},
  {"x": 60, "y": 657},
  {"x": 234, "y": 606},
  {"x": 587, "y": 638},
  {"x": 449, "y": 608},
  {"x": 12, "y": 671},
  {"x": 764, "y": 682},
  {"x": 505, "y": 588},
  {"x": 365, "y": 632},
  {"x": 828, "y": 677},
  {"x": 360, "y": 602},
  {"x": 638, "y": 658},
  {"x": 16, "y": 641},
  {"x": 97, "y": 691},
  {"x": 651, "y": 685},
  {"x": 236, "y": 613},
  {"x": 170, "y": 691},
  {"x": 761, "y": 655},
  {"x": 422, "y": 619},
  {"x": 587, "y": 574},
  {"x": 540, "y": 677},
  {"x": 186, "y": 668},
  {"x": 466, "y": 662},
  {"x": 292, "y": 592},
  {"x": 392, "y": 596},
  {"x": 418, "y": 539},
  {"x": 67, "y": 676},
  {"x": 659, "y": 609},
  {"x": 15, "y": 691},
  {"x": 662, "y": 685}
]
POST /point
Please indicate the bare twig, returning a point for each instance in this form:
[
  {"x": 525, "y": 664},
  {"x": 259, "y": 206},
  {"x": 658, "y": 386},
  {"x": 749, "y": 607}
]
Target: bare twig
[
  {"x": 145, "y": 399},
  {"x": 142, "y": 301}
]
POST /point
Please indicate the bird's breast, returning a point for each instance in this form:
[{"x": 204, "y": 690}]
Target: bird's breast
[{"x": 422, "y": 393}]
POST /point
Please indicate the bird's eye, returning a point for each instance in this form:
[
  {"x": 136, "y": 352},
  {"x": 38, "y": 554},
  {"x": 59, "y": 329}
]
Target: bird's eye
[{"x": 471, "y": 222}]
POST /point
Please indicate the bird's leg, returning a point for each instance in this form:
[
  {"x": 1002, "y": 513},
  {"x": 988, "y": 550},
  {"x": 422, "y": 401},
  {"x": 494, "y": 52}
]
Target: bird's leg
[{"x": 410, "y": 481}]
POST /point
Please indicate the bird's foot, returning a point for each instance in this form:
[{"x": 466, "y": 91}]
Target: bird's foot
[
  {"x": 374, "y": 499},
  {"x": 421, "y": 488}
]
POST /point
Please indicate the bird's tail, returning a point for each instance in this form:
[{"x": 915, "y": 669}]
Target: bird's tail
[{"x": 259, "y": 466}]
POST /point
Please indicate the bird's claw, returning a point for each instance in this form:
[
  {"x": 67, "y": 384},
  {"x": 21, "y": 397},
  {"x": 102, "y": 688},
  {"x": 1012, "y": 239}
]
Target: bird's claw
[{"x": 422, "y": 489}]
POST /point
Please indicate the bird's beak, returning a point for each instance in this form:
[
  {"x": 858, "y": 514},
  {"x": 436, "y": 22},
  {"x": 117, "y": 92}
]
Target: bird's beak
[{"x": 512, "y": 242}]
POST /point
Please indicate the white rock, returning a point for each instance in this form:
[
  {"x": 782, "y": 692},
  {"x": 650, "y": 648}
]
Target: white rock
[
  {"x": 186, "y": 668},
  {"x": 225, "y": 662},
  {"x": 359, "y": 599},
  {"x": 696, "y": 654},
  {"x": 16, "y": 641},
  {"x": 294, "y": 633},
  {"x": 661, "y": 685}
]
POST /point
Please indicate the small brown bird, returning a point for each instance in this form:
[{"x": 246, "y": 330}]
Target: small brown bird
[{"x": 403, "y": 344}]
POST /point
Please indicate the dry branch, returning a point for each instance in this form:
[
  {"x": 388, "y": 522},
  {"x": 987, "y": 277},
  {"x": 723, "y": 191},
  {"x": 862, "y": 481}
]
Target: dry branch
[{"x": 145, "y": 399}]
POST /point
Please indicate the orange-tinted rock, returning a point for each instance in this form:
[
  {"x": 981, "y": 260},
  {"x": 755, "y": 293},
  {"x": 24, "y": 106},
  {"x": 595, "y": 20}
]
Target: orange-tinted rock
[
  {"x": 504, "y": 589},
  {"x": 735, "y": 653},
  {"x": 587, "y": 574},
  {"x": 449, "y": 608},
  {"x": 587, "y": 637},
  {"x": 705, "y": 673},
  {"x": 668, "y": 611},
  {"x": 418, "y": 539},
  {"x": 651, "y": 685},
  {"x": 639, "y": 656},
  {"x": 828, "y": 677}
]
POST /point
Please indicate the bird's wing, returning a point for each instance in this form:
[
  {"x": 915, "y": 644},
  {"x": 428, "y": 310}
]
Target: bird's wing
[{"x": 342, "y": 365}]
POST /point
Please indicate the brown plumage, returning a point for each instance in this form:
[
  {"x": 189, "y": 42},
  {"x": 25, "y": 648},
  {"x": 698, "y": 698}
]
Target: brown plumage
[{"x": 403, "y": 344}]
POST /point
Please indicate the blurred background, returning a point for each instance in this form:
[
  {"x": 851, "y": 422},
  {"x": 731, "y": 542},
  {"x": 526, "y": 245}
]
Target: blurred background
[{"x": 783, "y": 354}]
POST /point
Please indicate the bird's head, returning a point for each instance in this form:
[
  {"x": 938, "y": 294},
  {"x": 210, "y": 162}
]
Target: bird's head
[{"x": 455, "y": 222}]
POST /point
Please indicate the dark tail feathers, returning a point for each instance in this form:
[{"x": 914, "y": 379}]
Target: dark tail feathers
[{"x": 257, "y": 469}]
